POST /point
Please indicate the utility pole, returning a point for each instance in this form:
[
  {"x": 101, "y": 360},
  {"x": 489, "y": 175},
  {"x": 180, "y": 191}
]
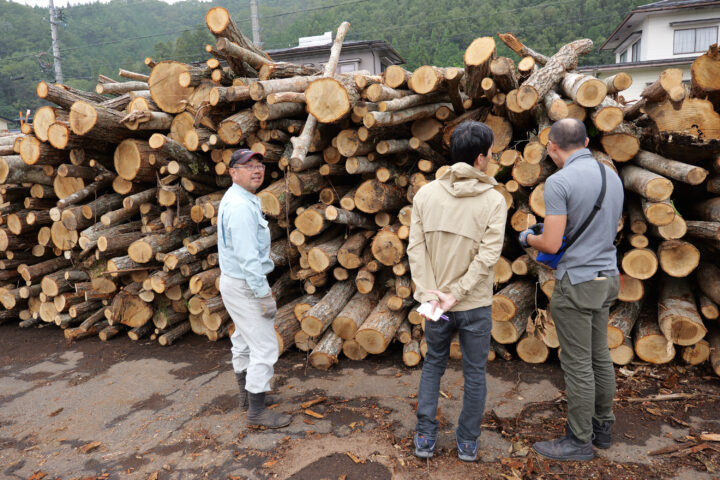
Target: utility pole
[
  {"x": 255, "y": 23},
  {"x": 55, "y": 45}
]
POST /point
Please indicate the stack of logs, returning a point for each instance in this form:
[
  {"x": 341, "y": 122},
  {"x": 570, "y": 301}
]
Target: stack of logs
[{"x": 111, "y": 197}]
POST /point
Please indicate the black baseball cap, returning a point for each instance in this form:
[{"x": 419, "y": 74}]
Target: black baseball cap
[{"x": 243, "y": 156}]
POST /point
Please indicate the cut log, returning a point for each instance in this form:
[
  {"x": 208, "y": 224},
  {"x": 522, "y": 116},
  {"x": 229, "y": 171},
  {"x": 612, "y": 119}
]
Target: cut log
[
  {"x": 323, "y": 256},
  {"x": 670, "y": 168},
  {"x": 650, "y": 343},
  {"x": 678, "y": 258},
  {"x": 542, "y": 80},
  {"x": 373, "y": 196},
  {"x": 144, "y": 250},
  {"x": 584, "y": 90},
  {"x": 531, "y": 348},
  {"x": 640, "y": 263},
  {"x": 316, "y": 320},
  {"x": 623, "y": 354},
  {"x": 658, "y": 213},
  {"x": 350, "y": 253},
  {"x": 678, "y": 317},
  {"x": 708, "y": 210},
  {"x": 621, "y": 322},
  {"x": 649, "y": 185},
  {"x": 708, "y": 308},
  {"x": 387, "y": 247},
  {"x": 622, "y": 144},
  {"x": 696, "y": 354},
  {"x": 513, "y": 300},
  {"x": 714, "y": 340},
  {"x": 325, "y": 354},
  {"x": 477, "y": 58},
  {"x": 375, "y": 334},
  {"x": 708, "y": 279}
]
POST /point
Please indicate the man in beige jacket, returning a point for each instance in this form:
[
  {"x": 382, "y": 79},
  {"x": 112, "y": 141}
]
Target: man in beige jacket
[{"x": 456, "y": 235}]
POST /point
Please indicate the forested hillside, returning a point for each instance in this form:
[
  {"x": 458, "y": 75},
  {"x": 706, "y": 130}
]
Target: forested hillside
[{"x": 100, "y": 38}]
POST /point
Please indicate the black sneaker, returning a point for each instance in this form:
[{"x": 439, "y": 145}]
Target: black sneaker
[
  {"x": 467, "y": 451},
  {"x": 602, "y": 434},
  {"x": 423, "y": 446},
  {"x": 565, "y": 448}
]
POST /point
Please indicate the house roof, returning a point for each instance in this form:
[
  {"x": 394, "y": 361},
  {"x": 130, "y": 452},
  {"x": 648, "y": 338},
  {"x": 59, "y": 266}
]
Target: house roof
[
  {"x": 634, "y": 19},
  {"x": 635, "y": 65},
  {"x": 382, "y": 45}
]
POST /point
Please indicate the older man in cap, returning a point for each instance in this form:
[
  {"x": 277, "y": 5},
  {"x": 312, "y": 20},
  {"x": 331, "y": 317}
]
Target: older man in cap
[{"x": 244, "y": 251}]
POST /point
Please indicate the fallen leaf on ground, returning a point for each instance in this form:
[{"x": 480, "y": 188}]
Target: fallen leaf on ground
[
  {"x": 710, "y": 437},
  {"x": 313, "y": 414},
  {"x": 89, "y": 447},
  {"x": 353, "y": 457},
  {"x": 315, "y": 401},
  {"x": 154, "y": 475},
  {"x": 56, "y": 412},
  {"x": 38, "y": 476},
  {"x": 269, "y": 463}
]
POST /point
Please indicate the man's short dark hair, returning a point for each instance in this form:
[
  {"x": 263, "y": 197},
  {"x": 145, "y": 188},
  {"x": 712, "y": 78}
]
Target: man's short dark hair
[
  {"x": 568, "y": 134},
  {"x": 470, "y": 139}
]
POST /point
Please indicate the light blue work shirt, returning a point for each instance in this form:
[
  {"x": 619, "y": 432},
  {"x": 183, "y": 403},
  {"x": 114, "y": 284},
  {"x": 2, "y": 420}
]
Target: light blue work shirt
[{"x": 244, "y": 240}]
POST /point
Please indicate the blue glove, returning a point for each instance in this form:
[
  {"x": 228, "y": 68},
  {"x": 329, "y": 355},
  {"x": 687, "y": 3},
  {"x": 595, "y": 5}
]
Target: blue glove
[
  {"x": 523, "y": 237},
  {"x": 536, "y": 228}
]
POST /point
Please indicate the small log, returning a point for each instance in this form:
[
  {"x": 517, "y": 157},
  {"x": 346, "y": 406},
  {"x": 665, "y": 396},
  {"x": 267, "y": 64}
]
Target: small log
[
  {"x": 325, "y": 354},
  {"x": 621, "y": 321},
  {"x": 649, "y": 185},
  {"x": 640, "y": 263}
]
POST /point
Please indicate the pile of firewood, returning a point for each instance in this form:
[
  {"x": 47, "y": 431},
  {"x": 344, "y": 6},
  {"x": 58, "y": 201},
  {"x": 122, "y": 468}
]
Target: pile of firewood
[{"x": 111, "y": 197}]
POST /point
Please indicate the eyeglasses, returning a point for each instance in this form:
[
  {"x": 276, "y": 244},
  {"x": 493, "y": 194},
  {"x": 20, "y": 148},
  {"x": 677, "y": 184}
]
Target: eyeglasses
[{"x": 252, "y": 168}]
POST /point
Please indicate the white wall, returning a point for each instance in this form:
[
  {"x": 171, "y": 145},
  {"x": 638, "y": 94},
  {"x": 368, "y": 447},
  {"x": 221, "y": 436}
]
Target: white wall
[
  {"x": 642, "y": 77},
  {"x": 658, "y": 36},
  {"x": 3, "y": 125}
]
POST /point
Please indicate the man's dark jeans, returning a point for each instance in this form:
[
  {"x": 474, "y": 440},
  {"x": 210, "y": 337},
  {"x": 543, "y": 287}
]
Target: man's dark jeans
[{"x": 474, "y": 327}]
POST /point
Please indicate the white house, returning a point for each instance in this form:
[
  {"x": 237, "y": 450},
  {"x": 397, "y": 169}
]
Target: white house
[
  {"x": 4, "y": 122},
  {"x": 656, "y": 36}
]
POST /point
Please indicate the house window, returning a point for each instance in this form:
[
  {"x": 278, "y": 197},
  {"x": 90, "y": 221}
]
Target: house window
[
  {"x": 635, "y": 49},
  {"x": 693, "y": 40},
  {"x": 347, "y": 67},
  {"x": 623, "y": 57}
]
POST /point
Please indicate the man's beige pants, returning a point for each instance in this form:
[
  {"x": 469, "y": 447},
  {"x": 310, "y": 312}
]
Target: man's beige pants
[{"x": 254, "y": 344}]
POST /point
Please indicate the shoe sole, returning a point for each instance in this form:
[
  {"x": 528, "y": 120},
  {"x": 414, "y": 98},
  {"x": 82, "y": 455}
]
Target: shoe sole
[
  {"x": 272, "y": 427},
  {"x": 423, "y": 454},
  {"x": 574, "y": 458},
  {"x": 465, "y": 458},
  {"x": 603, "y": 446}
]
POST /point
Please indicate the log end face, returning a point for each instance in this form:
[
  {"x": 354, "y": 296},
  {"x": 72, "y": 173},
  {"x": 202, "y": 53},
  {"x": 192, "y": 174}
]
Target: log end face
[
  {"x": 480, "y": 51},
  {"x": 503, "y": 309},
  {"x": 83, "y": 117}
]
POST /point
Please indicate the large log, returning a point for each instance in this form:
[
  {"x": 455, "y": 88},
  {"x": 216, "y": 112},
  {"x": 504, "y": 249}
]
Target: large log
[
  {"x": 650, "y": 343},
  {"x": 678, "y": 258},
  {"x": 704, "y": 74},
  {"x": 542, "y": 80},
  {"x": 375, "y": 334},
  {"x": 518, "y": 298},
  {"x": 649, "y": 185},
  {"x": 321, "y": 315},
  {"x": 683, "y": 172},
  {"x": 678, "y": 317}
]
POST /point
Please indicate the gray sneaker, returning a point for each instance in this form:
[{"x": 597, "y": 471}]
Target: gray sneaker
[
  {"x": 565, "y": 448},
  {"x": 467, "y": 451}
]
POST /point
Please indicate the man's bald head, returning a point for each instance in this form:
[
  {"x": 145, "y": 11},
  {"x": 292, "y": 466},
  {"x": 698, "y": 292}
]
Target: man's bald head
[{"x": 568, "y": 134}]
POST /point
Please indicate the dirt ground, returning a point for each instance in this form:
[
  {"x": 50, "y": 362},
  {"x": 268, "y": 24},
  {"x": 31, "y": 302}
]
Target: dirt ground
[{"x": 126, "y": 410}]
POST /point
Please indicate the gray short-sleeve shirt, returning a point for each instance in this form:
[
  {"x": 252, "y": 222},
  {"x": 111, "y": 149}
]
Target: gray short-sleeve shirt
[{"x": 573, "y": 191}]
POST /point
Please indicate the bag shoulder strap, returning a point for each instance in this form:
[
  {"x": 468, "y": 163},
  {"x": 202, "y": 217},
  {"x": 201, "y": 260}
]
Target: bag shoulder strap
[{"x": 596, "y": 207}]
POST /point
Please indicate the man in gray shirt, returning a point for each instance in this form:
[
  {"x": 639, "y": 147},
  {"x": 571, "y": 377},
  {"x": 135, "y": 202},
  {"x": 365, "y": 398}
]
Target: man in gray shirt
[{"x": 587, "y": 282}]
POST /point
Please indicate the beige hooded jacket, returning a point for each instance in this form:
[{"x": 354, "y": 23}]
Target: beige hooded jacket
[{"x": 456, "y": 236}]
